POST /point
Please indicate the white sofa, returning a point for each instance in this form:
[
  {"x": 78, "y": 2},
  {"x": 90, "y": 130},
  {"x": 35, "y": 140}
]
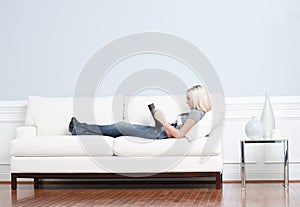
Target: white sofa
[{"x": 44, "y": 148}]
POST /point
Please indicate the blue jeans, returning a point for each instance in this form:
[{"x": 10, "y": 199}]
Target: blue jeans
[{"x": 120, "y": 129}]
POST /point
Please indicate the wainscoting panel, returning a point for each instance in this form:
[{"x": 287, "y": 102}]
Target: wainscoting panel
[
  {"x": 264, "y": 162},
  {"x": 12, "y": 114}
]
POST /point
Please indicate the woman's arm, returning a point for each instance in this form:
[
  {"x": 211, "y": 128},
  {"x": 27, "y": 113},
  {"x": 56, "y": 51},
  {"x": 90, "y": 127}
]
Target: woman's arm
[
  {"x": 182, "y": 132},
  {"x": 172, "y": 130}
]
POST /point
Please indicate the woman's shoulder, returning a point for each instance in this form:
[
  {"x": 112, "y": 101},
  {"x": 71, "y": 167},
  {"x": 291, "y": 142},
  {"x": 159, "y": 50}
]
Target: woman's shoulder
[
  {"x": 196, "y": 111},
  {"x": 196, "y": 114}
]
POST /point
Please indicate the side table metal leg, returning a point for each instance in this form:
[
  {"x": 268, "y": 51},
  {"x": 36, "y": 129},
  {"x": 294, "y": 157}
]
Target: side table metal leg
[
  {"x": 286, "y": 163},
  {"x": 243, "y": 176}
]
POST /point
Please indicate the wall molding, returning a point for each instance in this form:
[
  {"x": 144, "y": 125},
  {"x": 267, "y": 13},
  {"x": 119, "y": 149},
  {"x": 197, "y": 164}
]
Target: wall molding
[
  {"x": 12, "y": 112},
  {"x": 240, "y": 108},
  {"x": 9, "y": 107}
]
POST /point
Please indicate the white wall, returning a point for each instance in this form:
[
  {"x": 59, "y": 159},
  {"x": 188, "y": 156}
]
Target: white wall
[
  {"x": 263, "y": 161},
  {"x": 253, "y": 45}
]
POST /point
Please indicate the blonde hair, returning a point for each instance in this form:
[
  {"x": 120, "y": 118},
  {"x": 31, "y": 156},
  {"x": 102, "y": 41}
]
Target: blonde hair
[{"x": 199, "y": 97}]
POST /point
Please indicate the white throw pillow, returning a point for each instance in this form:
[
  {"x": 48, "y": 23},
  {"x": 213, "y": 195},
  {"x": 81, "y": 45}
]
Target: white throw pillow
[{"x": 202, "y": 128}]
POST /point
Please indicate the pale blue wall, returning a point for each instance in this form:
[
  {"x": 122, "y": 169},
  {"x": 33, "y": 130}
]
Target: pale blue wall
[{"x": 254, "y": 45}]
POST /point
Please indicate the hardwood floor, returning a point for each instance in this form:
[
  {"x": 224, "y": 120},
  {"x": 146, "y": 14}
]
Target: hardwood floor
[{"x": 256, "y": 194}]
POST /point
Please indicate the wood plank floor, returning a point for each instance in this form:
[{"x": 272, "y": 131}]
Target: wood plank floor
[{"x": 256, "y": 194}]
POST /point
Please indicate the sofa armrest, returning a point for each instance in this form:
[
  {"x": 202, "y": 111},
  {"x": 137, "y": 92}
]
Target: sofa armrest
[{"x": 26, "y": 131}]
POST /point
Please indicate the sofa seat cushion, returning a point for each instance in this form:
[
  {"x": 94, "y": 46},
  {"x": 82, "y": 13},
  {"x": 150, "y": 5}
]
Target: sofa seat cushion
[
  {"x": 58, "y": 146},
  {"x": 140, "y": 147}
]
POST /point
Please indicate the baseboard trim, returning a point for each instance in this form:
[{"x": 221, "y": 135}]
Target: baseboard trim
[
  {"x": 260, "y": 181},
  {"x": 100, "y": 182}
]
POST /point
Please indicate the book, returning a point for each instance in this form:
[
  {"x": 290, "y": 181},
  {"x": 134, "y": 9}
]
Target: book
[{"x": 151, "y": 108}]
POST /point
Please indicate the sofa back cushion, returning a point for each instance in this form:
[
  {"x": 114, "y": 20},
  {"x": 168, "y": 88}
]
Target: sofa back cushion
[
  {"x": 136, "y": 108},
  {"x": 51, "y": 115}
]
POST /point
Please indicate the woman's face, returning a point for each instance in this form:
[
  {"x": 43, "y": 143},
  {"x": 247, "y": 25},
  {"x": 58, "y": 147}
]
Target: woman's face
[{"x": 189, "y": 102}]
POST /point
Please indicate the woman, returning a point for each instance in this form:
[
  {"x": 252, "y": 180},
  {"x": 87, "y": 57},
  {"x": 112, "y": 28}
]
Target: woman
[{"x": 197, "y": 99}]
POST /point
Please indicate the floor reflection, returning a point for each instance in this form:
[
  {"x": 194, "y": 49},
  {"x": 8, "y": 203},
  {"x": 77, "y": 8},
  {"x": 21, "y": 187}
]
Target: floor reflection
[{"x": 266, "y": 195}]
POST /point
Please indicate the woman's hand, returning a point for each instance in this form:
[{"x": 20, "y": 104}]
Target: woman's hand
[{"x": 159, "y": 117}]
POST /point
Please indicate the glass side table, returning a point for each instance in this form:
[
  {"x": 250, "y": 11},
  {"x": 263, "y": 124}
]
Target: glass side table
[{"x": 285, "y": 143}]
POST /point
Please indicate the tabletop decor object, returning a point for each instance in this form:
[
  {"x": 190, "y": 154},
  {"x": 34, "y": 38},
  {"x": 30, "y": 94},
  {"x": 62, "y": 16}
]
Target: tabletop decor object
[
  {"x": 254, "y": 129},
  {"x": 267, "y": 118}
]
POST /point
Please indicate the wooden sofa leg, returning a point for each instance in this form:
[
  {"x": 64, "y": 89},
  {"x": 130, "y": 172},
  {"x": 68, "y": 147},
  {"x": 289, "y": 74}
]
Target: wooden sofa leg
[
  {"x": 13, "y": 181},
  {"x": 219, "y": 180},
  {"x": 36, "y": 183}
]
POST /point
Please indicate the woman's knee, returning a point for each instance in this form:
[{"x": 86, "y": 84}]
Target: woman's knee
[{"x": 121, "y": 124}]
